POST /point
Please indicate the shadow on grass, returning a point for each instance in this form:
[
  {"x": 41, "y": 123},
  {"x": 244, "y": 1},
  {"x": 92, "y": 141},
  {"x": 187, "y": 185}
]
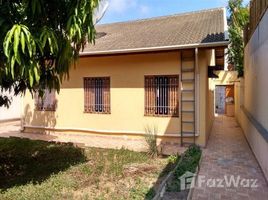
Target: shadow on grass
[
  {"x": 188, "y": 162},
  {"x": 168, "y": 168},
  {"x": 23, "y": 160}
]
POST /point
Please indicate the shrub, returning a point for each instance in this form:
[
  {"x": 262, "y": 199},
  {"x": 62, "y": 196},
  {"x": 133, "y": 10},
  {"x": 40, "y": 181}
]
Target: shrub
[
  {"x": 173, "y": 159},
  {"x": 189, "y": 162},
  {"x": 151, "y": 140}
]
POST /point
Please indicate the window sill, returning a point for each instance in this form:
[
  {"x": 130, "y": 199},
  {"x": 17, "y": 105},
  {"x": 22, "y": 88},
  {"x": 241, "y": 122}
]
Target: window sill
[
  {"x": 163, "y": 116},
  {"x": 45, "y": 110},
  {"x": 95, "y": 113}
]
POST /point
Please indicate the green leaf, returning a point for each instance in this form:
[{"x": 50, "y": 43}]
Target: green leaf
[
  {"x": 16, "y": 40},
  {"x": 12, "y": 64},
  {"x": 31, "y": 77},
  {"x": 22, "y": 41},
  {"x": 7, "y": 41},
  {"x": 29, "y": 40},
  {"x": 46, "y": 33},
  {"x": 36, "y": 74}
]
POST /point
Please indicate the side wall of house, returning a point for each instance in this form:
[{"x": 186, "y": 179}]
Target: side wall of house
[
  {"x": 205, "y": 88},
  {"x": 127, "y": 98},
  {"x": 210, "y": 105},
  {"x": 14, "y": 111},
  {"x": 252, "y": 94}
]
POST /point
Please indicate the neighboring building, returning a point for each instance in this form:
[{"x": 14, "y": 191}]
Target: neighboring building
[
  {"x": 150, "y": 73},
  {"x": 14, "y": 111},
  {"x": 251, "y": 93}
]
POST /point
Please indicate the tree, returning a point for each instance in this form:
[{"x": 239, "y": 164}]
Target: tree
[
  {"x": 239, "y": 18},
  {"x": 40, "y": 40}
]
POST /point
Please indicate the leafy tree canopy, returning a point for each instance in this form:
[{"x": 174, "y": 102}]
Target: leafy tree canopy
[
  {"x": 39, "y": 40},
  {"x": 239, "y": 18}
]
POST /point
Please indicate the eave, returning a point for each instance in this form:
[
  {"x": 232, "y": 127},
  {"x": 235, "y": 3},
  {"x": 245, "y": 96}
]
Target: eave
[{"x": 154, "y": 49}]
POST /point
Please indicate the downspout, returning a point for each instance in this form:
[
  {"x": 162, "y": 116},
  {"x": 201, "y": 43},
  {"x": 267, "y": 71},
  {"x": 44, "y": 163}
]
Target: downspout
[
  {"x": 226, "y": 37},
  {"x": 197, "y": 90},
  {"x": 181, "y": 133}
]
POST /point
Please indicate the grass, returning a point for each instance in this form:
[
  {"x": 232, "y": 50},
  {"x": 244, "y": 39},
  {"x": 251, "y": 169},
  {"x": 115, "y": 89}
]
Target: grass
[
  {"x": 151, "y": 140},
  {"x": 42, "y": 170},
  {"x": 188, "y": 162},
  {"x": 22, "y": 160}
]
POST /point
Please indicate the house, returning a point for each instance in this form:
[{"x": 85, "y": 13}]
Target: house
[
  {"x": 13, "y": 113},
  {"x": 149, "y": 74}
]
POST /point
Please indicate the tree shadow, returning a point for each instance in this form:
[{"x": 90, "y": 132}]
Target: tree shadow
[
  {"x": 161, "y": 177},
  {"x": 23, "y": 161},
  {"x": 39, "y": 118}
]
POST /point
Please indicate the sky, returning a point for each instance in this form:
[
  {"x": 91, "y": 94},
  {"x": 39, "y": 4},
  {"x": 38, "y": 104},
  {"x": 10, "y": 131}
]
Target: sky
[{"x": 125, "y": 10}]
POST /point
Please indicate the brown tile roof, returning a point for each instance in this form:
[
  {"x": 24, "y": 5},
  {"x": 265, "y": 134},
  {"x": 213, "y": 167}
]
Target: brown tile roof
[{"x": 186, "y": 29}]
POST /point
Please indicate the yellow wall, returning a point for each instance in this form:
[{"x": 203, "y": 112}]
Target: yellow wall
[
  {"x": 210, "y": 107},
  {"x": 252, "y": 93},
  {"x": 226, "y": 77},
  {"x": 206, "y": 95},
  {"x": 127, "y": 97}
]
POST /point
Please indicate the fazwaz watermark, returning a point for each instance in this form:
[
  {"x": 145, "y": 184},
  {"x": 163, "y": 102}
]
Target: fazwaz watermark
[{"x": 190, "y": 180}]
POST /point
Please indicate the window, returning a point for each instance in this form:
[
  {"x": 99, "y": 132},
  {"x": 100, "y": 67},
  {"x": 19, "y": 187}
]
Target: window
[
  {"x": 97, "y": 95},
  {"x": 47, "y": 102},
  {"x": 161, "y": 95}
]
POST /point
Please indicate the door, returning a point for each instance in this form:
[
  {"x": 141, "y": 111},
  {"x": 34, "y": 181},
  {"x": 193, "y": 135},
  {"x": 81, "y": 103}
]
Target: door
[{"x": 220, "y": 99}]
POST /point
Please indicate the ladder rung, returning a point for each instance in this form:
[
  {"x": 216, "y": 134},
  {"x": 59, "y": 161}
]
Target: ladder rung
[
  {"x": 188, "y": 101},
  {"x": 188, "y": 122},
  {"x": 188, "y": 133},
  {"x": 187, "y": 80},
  {"x": 187, "y": 70},
  {"x": 188, "y": 111},
  {"x": 187, "y": 91},
  {"x": 187, "y": 144}
]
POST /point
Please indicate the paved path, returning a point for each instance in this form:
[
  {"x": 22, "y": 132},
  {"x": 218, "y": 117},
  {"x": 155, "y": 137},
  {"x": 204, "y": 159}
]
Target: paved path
[{"x": 228, "y": 154}]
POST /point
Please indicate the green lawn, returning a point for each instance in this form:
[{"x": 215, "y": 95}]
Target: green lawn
[{"x": 42, "y": 170}]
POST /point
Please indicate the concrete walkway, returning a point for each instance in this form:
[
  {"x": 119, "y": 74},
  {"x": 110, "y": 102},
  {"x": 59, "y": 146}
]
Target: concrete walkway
[{"x": 227, "y": 154}]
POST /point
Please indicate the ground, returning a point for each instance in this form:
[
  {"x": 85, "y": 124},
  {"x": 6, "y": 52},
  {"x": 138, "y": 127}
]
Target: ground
[
  {"x": 46, "y": 170},
  {"x": 228, "y": 153},
  {"x": 86, "y": 139}
]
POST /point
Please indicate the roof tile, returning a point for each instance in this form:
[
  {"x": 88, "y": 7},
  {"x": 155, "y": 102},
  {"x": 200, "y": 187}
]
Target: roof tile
[{"x": 199, "y": 27}]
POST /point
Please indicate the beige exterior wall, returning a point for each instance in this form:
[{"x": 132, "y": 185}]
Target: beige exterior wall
[
  {"x": 210, "y": 107},
  {"x": 14, "y": 111},
  {"x": 226, "y": 77},
  {"x": 252, "y": 93},
  {"x": 206, "y": 95},
  {"x": 127, "y": 98}
]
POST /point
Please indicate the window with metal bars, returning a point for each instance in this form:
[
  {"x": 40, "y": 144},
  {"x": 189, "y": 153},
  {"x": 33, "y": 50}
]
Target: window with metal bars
[
  {"x": 97, "y": 95},
  {"x": 161, "y": 95},
  {"x": 47, "y": 102}
]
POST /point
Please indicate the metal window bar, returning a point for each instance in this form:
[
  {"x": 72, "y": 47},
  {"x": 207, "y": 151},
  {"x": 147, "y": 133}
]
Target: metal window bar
[
  {"x": 161, "y": 95},
  {"x": 97, "y": 95}
]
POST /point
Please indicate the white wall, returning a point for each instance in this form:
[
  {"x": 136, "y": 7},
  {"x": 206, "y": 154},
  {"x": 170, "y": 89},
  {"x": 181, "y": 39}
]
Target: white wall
[
  {"x": 254, "y": 94},
  {"x": 14, "y": 111}
]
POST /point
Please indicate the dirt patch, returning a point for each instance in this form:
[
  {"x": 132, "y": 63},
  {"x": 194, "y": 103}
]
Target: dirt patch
[{"x": 138, "y": 169}]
